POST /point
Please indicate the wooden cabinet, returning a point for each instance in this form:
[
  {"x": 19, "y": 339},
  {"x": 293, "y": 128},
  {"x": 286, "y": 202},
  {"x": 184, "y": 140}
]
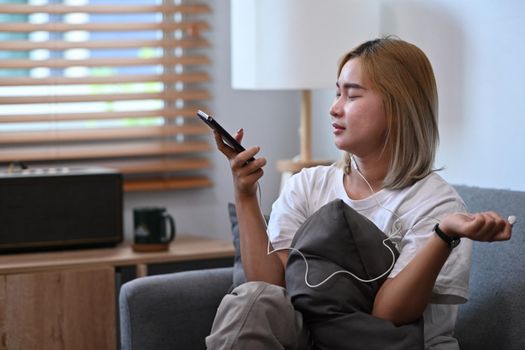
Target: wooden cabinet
[
  {"x": 67, "y": 300},
  {"x": 59, "y": 310}
]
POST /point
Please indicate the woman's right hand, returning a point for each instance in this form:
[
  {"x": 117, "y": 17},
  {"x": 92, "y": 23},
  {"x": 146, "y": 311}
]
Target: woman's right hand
[{"x": 245, "y": 173}]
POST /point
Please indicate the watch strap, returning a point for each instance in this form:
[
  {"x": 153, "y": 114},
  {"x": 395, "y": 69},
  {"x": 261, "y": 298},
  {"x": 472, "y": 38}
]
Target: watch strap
[{"x": 452, "y": 242}]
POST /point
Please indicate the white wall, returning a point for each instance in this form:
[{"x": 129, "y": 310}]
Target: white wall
[{"x": 477, "y": 49}]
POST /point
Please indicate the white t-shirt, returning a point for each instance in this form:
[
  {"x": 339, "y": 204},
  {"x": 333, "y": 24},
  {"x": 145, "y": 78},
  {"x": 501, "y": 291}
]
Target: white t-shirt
[{"x": 409, "y": 215}]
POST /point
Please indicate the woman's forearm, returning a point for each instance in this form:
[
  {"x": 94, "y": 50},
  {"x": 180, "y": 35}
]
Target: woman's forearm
[
  {"x": 257, "y": 264},
  {"x": 403, "y": 299}
]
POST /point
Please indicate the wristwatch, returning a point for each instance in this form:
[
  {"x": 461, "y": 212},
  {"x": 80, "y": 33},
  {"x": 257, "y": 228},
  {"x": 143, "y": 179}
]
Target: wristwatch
[{"x": 452, "y": 242}]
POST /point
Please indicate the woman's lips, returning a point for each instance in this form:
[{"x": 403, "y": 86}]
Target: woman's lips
[{"x": 338, "y": 128}]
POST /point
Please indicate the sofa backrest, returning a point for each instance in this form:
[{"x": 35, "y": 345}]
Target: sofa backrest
[{"x": 494, "y": 316}]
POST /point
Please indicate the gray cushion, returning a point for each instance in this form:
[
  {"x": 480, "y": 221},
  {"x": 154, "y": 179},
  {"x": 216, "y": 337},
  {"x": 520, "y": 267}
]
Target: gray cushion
[
  {"x": 335, "y": 238},
  {"x": 238, "y": 271}
]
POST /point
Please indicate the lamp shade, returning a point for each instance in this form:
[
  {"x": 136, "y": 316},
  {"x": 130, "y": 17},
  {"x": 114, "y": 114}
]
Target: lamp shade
[{"x": 296, "y": 44}]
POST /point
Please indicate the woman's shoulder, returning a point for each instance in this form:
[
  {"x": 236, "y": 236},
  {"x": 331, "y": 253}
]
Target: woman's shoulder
[
  {"x": 436, "y": 181},
  {"x": 308, "y": 181},
  {"x": 435, "y": 187},
  {"x": 320, "y": 172}
]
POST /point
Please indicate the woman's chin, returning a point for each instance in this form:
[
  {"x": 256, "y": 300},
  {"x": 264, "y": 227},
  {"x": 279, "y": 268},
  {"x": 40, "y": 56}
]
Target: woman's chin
[{"x": 341, "y": 145}]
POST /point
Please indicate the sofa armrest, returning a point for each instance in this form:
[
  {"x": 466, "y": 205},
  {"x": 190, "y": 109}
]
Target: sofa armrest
[{"x": 172, "y": 311}]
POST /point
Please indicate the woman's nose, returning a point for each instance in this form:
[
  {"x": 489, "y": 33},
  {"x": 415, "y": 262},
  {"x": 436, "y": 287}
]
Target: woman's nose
[{"x": 335, "y": 109}]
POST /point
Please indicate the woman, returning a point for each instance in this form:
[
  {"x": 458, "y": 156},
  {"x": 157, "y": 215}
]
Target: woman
[{"x": 385, "y": 118}]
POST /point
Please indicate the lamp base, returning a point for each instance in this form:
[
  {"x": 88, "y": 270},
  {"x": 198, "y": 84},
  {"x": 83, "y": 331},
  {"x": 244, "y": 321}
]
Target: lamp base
[{"x": 294, "y": 166}]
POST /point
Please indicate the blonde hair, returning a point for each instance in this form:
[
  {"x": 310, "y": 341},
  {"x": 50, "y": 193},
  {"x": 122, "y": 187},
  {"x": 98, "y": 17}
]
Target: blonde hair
[{"x": 403, "y": 75}]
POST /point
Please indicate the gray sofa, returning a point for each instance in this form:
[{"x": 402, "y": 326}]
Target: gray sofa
[{"x": 175, "y": 311}]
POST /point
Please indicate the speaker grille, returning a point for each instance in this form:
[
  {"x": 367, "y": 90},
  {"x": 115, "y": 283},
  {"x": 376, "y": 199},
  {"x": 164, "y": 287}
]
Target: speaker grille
[{"x": 60, "y": 211}]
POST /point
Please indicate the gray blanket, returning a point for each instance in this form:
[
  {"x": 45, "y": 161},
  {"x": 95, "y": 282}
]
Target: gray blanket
[{"x": 338, "y": 312}]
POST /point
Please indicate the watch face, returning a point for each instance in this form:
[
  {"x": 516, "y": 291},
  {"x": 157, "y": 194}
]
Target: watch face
[{"x": 454, "y": 243}]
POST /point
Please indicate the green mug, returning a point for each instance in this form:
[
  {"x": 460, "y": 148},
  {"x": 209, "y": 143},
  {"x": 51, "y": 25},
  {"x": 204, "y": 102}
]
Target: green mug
[{"x": 153, "y": 225}]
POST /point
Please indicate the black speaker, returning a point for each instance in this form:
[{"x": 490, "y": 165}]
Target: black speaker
[{"x": 60, "y": 208}]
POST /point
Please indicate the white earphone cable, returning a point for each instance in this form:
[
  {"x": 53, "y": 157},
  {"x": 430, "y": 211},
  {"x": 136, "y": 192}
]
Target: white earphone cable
[{"x": 396, "y": 230}]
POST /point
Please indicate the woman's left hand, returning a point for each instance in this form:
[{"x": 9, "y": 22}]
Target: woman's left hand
[{"x": 486, "y": 226}]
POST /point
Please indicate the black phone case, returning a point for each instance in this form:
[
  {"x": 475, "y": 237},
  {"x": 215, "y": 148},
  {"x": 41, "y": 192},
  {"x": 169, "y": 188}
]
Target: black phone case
[{"x": 226, "y": 137}]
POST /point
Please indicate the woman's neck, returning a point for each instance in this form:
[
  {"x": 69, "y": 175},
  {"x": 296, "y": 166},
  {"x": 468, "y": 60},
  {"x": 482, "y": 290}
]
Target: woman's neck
[{"x": 365, "y": 177}]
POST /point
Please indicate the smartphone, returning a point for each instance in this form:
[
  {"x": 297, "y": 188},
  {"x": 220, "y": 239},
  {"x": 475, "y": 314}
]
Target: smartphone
[{"x": 226, "y": 137}]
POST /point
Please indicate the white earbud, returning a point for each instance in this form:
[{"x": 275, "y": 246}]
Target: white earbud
[
  {"x": 512, "y": 219},
  {"x": 353, "y": 163}
]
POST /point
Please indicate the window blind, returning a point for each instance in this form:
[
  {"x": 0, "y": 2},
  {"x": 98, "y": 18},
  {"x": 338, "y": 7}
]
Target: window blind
[{"x": 86, "y": 83}]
